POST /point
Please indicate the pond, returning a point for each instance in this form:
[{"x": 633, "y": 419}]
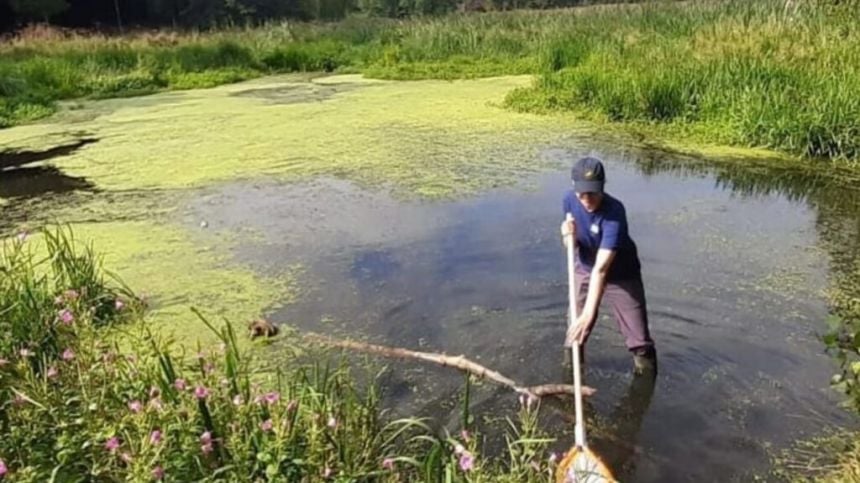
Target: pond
[{"x": 442, "y": 235}]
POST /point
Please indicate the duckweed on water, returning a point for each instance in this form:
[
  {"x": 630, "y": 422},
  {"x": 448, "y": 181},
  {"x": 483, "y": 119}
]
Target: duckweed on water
[
  {"x": 174, "y": 271},
  {"x": 443, "y": 138}
]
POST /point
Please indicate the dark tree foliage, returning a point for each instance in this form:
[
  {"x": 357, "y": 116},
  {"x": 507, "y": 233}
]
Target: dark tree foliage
[
  {"x": 112, "y": 15},
  {"x": 38, "y": 9}
]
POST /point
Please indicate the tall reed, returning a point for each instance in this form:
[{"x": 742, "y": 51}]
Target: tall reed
[{"x": 81, "y": 402}]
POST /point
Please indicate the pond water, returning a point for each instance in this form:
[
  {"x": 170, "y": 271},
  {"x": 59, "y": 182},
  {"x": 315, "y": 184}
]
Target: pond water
[
  {"x": 735, "y": 287},
  {"x": 736, "y": 259}
]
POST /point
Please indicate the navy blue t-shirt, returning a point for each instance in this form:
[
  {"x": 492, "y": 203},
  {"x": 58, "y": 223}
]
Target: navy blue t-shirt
[{"x": 605, "y": 228}]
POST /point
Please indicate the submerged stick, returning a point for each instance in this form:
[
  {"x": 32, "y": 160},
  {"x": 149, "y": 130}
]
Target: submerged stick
[{"x": 457, "y": 362}]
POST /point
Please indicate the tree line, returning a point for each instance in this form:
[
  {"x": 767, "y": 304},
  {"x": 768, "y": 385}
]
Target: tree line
[{"x": 123, "y": 14}]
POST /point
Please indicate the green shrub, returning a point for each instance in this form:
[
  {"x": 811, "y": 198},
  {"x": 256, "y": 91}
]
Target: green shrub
[{"x": 79, "y": 403}]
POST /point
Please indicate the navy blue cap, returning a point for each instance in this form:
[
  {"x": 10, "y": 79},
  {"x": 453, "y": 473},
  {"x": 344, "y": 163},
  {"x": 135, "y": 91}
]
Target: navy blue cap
[{"x": 588, "y": 175}]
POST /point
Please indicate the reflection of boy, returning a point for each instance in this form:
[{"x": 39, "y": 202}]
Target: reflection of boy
[
  {"x": 607, "y": 265},
  {"x": 626, "y": 421}
]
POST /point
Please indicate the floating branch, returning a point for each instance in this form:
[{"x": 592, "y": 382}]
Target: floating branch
[{"x": 457, "y": 362}]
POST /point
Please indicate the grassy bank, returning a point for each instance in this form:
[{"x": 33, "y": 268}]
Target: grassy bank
[
  {"x": 75, "y": 405},
  {"x": 751, "y": 74},
  {"x": 41, "y": 66},
  {"x": 735, "y": 72}
]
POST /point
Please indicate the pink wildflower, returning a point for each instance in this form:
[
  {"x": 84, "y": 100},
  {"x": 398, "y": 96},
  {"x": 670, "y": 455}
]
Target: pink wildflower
[
  {"x": 326, "y": 472},
  {"x": 179, "y": 384},
  {"x": 272, "y": 397},
  {"x": 155, "y": 437},
  {"x": 201, "y": 392},
  {"x": 66, "y": 317},
  {"x": 388, "y": 464},
  {"x": 119, "y": 305},
  {"x": 158, "y": 473},
  {"x": 467, "y": 461},
  {"x": 332, "y": 422},
  {"x": 465, "y": 435},
  {"x": 206, "y": 442},
  {"x": 3, "y": 468},
  {"x": 112, "y": 444},
  {"x": 135, "y": 406},
  {"x": 68, "y": 355},
  {"x": 553, "y": 458},
  {"x": 527, "y": 401},
  {"x": 266, "y": 425},
  {"x": 52, "y": 372}
]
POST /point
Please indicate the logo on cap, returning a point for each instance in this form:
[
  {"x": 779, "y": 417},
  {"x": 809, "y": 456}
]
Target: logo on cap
[{"x": 589, "y": 174}]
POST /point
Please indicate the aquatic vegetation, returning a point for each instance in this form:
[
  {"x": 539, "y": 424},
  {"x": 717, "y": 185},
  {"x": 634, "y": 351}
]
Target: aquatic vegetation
[
  {"x": 726, "y": 72},
  {"x": 762, "y": 74},
  {"x": 43, "y": 297},
  {"x": 171, "y": 270},
  {"x": 100, "y": 410},
  {"x": 445, "y": 138},
  {"x": 834, "y": 457}
]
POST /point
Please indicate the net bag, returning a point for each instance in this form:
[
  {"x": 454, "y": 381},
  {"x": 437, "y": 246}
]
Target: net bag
[{"x": 580, "y": 465}]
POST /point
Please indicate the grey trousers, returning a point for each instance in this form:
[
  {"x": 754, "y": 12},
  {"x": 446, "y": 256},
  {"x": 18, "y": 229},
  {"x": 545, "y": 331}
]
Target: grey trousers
[{"x": 627, "y": 300}]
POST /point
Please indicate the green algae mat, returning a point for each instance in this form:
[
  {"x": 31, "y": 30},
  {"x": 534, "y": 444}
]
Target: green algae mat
[{"x": 116, "y": 170}]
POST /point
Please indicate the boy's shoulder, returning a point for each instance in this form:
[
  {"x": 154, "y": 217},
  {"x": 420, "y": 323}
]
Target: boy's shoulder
[{"x": 612, "y": 204}]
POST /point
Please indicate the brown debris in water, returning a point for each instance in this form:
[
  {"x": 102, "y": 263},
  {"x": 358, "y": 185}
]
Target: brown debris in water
[{"x": 457, "y": 362}]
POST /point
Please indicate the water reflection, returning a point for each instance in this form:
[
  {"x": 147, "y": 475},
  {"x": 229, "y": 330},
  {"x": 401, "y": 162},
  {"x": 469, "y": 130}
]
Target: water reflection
[
  {"x": 621, "y": 451},
  {"x": 39, "y": 181},
  {"x": 832, "y": 190}
]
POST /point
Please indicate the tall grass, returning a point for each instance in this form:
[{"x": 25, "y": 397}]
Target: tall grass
[
  {"x": 80, "y": 404},
  {"x": 762, "y": 73},
  {"x": 744, "y": 73},
  {"x": 42, "y": 293}
]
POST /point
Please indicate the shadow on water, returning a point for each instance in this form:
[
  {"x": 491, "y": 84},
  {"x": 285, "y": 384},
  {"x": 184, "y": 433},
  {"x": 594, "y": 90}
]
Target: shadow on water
[
  {"x": 39, "y": 181},
  {"x": 15, "y": 158},
  {"x": 18, "y": 180}
]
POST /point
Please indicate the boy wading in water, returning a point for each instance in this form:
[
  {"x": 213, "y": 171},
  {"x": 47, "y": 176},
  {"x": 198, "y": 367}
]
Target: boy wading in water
[{"x": 607, "y": 265}]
